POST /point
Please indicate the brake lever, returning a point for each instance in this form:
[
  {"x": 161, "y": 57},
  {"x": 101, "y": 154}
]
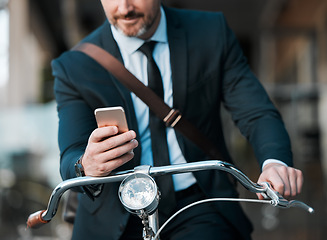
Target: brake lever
[{"x": 277, "y": 200}]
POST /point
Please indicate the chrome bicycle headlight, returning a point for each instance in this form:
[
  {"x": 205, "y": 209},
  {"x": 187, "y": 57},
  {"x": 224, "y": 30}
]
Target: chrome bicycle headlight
[{"x": 139, "y": 193}]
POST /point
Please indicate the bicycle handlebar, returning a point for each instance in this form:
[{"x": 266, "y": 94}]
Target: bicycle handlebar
[{"x": 41, "y": 217}]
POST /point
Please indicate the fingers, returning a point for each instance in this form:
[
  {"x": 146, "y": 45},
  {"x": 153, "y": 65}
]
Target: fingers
[
  {"x": 300, "y": 181},
  {"x": 107, "y": 167},
  {"x": 292, "y": 179},
  {"x": 100, "y": 134},
  {"x": 280, "y": 182},
  {"x": 108, "y": 150},
  {"x": 287, "y": 181},
  {"x": 106, "y": 138},
  {"x": 119, "y": 150},
  {"x": 296, "y": 180}
]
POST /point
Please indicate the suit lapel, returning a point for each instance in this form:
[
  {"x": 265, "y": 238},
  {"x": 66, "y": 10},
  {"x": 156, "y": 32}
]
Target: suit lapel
[
  {"x": 108, "y": 43},
  {"x": 178, "y": 59}
]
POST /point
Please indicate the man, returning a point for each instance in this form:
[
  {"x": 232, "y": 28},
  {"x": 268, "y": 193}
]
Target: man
[{"x": 202, "y": 66}]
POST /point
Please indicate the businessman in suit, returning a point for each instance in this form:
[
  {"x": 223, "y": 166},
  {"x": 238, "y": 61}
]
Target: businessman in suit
[{"x": 202, "y": 67}]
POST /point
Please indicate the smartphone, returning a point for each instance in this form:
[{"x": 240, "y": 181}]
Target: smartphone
[{"x": 111, "y": 116}]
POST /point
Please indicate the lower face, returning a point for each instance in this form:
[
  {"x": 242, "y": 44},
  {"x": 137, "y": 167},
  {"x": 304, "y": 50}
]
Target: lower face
[{"x": 137, "y": 18}]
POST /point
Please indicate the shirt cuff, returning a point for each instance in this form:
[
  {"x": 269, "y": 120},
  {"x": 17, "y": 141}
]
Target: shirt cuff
[{"x": 272, "y": 161}]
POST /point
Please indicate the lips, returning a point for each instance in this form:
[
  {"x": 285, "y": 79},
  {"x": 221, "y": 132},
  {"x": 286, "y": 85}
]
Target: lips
[
  {"x": 129, "y": 21},
  {"x": 130, "y": 18}
]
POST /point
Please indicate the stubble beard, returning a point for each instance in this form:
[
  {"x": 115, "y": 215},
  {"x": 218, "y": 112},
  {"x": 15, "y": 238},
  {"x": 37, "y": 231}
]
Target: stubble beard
[
  {"x": 139, "y": 33},
  {"x": 149, "y": 21}
]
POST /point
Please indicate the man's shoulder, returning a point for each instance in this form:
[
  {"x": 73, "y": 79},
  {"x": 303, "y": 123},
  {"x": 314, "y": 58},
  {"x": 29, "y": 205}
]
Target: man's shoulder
[
  {"x": 99, "y": 37},
  {"x": 191, "y": 16},
  {"x": 197, "y": 24}
]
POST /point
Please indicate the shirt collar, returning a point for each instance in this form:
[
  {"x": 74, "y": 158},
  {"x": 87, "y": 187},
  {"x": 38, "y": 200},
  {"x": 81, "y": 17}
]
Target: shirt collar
[{"x": 131, "y": 44}]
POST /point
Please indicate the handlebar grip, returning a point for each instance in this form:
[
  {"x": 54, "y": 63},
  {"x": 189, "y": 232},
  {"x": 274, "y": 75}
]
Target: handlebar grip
[{"x": 35, "y": 220}]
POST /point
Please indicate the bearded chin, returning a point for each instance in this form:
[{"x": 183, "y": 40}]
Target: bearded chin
[{"x": 140, "y": 32}]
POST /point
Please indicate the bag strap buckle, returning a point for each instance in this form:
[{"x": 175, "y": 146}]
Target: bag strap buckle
[{"x": 172, "y": 118}]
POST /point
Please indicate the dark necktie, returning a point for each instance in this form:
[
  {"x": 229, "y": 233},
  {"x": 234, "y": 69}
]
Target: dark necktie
[{"x": 158, "y": 134}]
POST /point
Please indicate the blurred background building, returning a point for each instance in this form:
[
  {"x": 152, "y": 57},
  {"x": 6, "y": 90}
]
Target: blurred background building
[{"x": 284, "y": 40}]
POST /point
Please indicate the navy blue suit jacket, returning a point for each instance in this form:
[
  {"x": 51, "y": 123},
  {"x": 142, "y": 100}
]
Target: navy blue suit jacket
[{"x": 208, "y": 70}]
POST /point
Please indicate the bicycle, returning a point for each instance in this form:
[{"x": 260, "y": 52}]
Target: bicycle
[{"x": 139, "y": 194}]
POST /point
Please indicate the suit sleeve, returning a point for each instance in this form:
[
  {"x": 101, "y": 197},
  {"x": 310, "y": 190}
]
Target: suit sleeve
[
  {"x": 251, "y": 109},
  {"x": 76, "y": 121}
]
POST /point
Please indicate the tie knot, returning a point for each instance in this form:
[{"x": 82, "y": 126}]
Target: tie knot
[{"x": 147, "y": 48}]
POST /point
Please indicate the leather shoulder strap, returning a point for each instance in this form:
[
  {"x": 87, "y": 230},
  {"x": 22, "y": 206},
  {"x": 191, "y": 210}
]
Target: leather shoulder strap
[{"x": 171, "y": 117}]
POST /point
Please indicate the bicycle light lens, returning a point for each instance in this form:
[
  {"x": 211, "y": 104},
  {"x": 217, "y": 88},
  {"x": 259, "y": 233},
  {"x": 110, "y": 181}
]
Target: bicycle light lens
[{"x": 138, "y": 193}]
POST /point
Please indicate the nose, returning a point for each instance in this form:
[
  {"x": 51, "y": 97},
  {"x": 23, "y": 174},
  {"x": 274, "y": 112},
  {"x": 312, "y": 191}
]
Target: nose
[{"x": 125, "y": 6}]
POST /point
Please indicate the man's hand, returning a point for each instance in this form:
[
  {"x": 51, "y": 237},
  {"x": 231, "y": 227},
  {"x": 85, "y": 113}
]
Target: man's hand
[
  {"x": 107, "y": 150},
  {"x": 287, "y": 181}
]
